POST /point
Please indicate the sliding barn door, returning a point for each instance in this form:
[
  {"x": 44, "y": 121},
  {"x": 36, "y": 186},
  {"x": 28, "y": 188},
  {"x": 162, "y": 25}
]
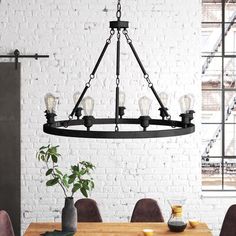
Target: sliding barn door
[{"x": 10, "y": 142}]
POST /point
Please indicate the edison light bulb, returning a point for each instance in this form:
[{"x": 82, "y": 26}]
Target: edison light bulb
[
  {"x": 76, "y": 97},
  {"x": 88, "y": 105},
  {"x": 121, "y": 99},
  {"x": 144, "y": 105},
  {"x": 50, "y": 102},
  {"x": 192, "y": 101},
  {"x": 186, "y": 103},
  {"x": 164, "y": 98}
]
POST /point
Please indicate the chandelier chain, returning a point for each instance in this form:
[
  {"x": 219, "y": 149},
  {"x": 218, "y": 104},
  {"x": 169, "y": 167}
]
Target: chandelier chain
[
  {"x": 125, "y": 32},
  {"x": 112, "y": 32},
  {"x": 146, "y": 77},
  {"x": 118, "y": 35},
  {"x": 117, "y": 80},
  {"x": 118, "y": 12},
  {"x": 91, "y": 77}
]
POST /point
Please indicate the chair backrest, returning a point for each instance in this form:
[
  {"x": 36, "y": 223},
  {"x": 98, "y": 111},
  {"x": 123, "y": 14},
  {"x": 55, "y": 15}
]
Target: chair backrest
[
  {"x": 147, "y": 210},
  {"x": 87, "y": 210},
  {"x": 5, "y": 224},
  {"x": 229, "y": 224}
]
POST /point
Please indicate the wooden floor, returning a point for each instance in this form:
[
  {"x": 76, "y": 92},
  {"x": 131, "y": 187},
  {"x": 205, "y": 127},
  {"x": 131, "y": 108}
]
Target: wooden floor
[{"x": 118, "y": 229}]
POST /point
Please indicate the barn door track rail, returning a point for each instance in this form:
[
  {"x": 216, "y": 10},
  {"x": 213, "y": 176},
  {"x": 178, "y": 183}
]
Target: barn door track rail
[{"x": 17, "y": 55}]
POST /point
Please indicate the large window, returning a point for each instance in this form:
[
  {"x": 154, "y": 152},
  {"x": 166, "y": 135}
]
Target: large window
[{"x": 219, "y": 95}]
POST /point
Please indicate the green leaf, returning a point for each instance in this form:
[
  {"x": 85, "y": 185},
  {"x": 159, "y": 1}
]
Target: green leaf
[
  {"x": 54, "y": 158},
  {"x": 52, "y": 182},
  {"x": 71, "y": 179},
  {"x": 76, "y": 188},
  {"x": 83, "y": 172},
  {"x": 58, "y": 172},
  {"x": 86, "y": 184},
  {"x": 64, "y": 181},
  {"x": 83, "y": 162},
  {"x": 53, "y": 150},
  {"x": 75, "y": 168},
  {"x": 49, "y": 171},
  {"x": 86, "y": 187},
  {"x": 84, "y": 192}
]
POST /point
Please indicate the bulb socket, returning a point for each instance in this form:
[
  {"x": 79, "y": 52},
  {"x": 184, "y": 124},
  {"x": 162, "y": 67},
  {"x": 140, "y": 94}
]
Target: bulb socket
[
  {"x": 121, "y": 111},
  {"x": 88, "y": 122},
  {"x": 78, "y": 112},
  {"x": 163, "y": 112},
  {"x": 187, "y": 117},
  {"x": 144, "y": 121},
  {"x": 50, "y": 117}
]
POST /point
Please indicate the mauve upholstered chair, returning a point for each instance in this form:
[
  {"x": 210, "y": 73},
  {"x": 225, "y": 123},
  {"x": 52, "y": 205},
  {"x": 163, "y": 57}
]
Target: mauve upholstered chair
[
  {"x": 229, "y": 224},
  {"x": 5, "y": 224},
  {"x": 87, "y": 210},
  {"x": 147, "y": 210}
]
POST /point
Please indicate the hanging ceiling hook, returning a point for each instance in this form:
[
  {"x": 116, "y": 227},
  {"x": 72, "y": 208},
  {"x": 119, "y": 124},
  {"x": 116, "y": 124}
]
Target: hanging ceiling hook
[{"x": 118, "y": 24}]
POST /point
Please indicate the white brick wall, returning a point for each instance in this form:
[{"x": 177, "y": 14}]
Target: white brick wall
[{"x": 166, "y": 34}]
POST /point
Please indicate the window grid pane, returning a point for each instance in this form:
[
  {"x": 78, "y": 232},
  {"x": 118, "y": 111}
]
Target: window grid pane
[
  {"x": 212, "y": 174},
  {"x": 219, "y": 95}
]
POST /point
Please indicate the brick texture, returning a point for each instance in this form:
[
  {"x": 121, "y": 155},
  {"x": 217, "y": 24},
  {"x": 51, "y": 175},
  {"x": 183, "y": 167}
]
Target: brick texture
[{"x": 166, "y": 35}]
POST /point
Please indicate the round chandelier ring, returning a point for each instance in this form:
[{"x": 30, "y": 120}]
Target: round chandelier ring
[
  {"x": 83, "y": 108},
  {"x": 60, "y": 128}
]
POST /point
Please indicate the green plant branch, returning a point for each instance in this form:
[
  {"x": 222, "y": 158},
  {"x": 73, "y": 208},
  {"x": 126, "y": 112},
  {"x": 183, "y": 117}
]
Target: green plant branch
[
  {"x": 53, "y": 173},
  {"x": 48, "y": 154}
]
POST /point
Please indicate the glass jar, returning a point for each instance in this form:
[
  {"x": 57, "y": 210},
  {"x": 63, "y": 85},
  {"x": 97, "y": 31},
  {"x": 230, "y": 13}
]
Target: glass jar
[{"x": 177, "y": 222}]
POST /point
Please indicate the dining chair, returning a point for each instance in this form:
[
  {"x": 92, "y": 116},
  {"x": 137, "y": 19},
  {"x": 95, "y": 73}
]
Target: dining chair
[
  {"x": 147, "y": 210},
  {"x": 87, "y": 210},
  {"x": 5, "y": 224},
  {"x": 229, "y": 224}
]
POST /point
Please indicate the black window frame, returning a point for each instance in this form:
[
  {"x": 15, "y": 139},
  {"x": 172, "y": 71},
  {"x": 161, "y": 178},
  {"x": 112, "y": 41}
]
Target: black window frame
[{"x": 223, "y": 91}]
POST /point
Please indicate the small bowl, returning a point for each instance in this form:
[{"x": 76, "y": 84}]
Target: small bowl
[
  {"x": 193, "y": 223},
  {"x": 148, "y": 232}
]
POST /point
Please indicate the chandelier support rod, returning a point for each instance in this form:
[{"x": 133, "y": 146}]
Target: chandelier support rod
[
  {"x": 117, "y": 80},
  {"x": 100, "y": 58},
  {"x": 118, "y": 15},
  {"x": 146, "y": 76},
  {"x": 118, "y": 55},
  {"x": 92, "y": 75},
  {"x": 117, "y": 109},
  {"x": 102, "y": 53},
  {"x": 137, "y": 58}
]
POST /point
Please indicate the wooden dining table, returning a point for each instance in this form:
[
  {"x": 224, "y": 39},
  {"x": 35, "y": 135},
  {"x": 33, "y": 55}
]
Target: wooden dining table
[{"x": 118, "y": 229}]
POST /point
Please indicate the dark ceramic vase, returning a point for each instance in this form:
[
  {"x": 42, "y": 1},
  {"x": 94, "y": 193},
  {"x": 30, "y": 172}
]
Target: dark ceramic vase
[{"x": 69, "y": 216}]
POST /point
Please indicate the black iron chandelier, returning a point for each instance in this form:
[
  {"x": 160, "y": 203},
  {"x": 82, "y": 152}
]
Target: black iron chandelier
[{"x": 74, "y": 127}]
